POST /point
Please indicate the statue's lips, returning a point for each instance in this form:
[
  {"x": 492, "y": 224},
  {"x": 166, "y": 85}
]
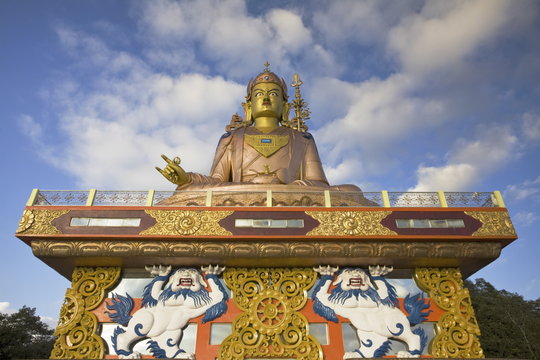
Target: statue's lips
[
  {"x": 267, "y": 103},
  {"x": 356, "y": 282},
  {"x": 185, "y": 282}
]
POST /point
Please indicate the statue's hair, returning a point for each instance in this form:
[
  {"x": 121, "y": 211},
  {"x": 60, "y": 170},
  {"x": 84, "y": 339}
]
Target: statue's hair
[{"x": 267, "y": 76}]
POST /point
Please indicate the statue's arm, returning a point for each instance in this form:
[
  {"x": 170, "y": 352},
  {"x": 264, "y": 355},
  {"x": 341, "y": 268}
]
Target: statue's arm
[
  {"x": 312, "y": 170},
  {"x": 221, "y": 169},
  {"x": 222, "y": 164}
]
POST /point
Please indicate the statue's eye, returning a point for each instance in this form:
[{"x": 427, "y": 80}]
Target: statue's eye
[
  {"x": 257, "y": 94},
  {"x": 273, "y": 94}
]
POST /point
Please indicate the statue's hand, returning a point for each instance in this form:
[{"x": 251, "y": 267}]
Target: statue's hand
[{"x": 173, "y": 172}]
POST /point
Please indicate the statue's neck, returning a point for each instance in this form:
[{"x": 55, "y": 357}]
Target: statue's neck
[{"x": 266, "y": 124}]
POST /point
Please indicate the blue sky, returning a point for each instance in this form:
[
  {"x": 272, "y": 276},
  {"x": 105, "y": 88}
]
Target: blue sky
[{"x": 405, "y": 95}]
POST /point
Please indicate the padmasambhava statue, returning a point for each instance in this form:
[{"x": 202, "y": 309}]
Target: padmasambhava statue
[{"x": 264, "y": 151}]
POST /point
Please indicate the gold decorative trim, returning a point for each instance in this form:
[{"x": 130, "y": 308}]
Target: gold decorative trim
[
  {"x": 39, "y": 222},
  {"x": 350, "y": 223},
  {"x": 77, "y": 326},
  {"x": 270, "y": 325},
  {"x": 180, "y": 222},
  {"x": 271, "y": 249},
  {"x": 494, "y": 223},
  {"x": 457, "y": 330}
]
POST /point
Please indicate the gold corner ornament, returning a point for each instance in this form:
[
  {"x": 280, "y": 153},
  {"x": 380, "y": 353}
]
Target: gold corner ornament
[
  {"x": 77, "y": 327},
  {"x": 270, "y": 325},
  {"x": 185, "y": 222},
  {"x": 494, "y": 223},
  {"x": 39, "y": 222},
  {"x": 457, "y": 331},
  {"x": 350, "y": 223}
]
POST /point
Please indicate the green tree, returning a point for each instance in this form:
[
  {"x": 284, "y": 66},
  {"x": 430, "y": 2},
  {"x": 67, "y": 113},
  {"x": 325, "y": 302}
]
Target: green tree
[
  {"x": 23, "y": 335},
  {"x": 510, "y": 325}
]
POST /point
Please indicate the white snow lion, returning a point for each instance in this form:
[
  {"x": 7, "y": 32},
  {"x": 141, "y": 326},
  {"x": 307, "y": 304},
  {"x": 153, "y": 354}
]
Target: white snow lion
[{"x": 168, "y": 303}]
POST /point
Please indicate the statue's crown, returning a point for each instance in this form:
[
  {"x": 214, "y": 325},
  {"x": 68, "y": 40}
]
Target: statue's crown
[{"x": 267, "y": 76}]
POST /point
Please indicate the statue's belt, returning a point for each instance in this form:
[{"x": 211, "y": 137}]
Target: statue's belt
[{"x": 266, "y": 145}]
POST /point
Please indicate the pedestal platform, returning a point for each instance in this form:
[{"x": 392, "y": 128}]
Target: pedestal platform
[{"x": 102, "y": 241}]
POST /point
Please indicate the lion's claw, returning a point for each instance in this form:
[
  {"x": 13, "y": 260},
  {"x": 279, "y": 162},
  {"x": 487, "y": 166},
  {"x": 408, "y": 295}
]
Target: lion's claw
[
  {"x": 160, "y": 270},
  {"x": 380, "y": 270},
  {"x": 326, "y": 270},
  {"x": 213, "y": 269}
]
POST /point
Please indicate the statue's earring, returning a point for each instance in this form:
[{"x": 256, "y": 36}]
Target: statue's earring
[
  {"x": 247, "y": 112},
  {"x": 285, "y": 114}
]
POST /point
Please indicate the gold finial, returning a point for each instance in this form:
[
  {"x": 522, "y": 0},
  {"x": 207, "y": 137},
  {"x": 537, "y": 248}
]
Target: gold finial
[
  {"x": 297, "y": 82},
  {"x": 267, "y": 66}
]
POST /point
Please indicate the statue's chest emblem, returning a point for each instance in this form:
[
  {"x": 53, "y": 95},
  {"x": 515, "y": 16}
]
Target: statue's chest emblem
[{"x": 266, "y": 145}]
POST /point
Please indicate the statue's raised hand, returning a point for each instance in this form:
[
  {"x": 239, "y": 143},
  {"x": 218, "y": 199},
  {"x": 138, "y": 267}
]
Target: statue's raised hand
[{"x": 173, "y": 172}]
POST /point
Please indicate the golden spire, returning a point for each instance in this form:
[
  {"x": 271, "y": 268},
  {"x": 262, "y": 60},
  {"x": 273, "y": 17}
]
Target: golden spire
[{"x": 301, "y": 110}]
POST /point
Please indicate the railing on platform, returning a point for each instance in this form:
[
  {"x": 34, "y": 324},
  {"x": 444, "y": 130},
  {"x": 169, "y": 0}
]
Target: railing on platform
[{"x": 265, "y": 198}]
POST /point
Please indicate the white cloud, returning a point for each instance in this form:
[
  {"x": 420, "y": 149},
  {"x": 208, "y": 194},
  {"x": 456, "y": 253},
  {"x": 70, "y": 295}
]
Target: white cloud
[
  {"x": 469, "y": 162},
  {"x": 528, "y": 189},
  {"x": 30, "y": 127},
  {"x": 531, "y": 126},
  {"x": 452, "y": 177},
  {"x": 236, "y": 42},
  {"x": 526, "y": 218},
  {"x": 364, "y": 22},
  {"x": 444, "y": 34},
  {"x": 117, "y": 127},
  {"x": 5, "y": 308},
  {"x": 289, "y": 29},
  {"x": 50, "y": 321},
  {"x": 377, "y": 114},
  {"x": 345, "y": 172},
  {"x": 119, "y": 142}
]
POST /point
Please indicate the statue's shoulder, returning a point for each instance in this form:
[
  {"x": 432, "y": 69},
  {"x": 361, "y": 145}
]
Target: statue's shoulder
[
  {"x": 298, "y": 134},
  {"x": 229, "y": 135},
  {"x": 305, "y": 136}
]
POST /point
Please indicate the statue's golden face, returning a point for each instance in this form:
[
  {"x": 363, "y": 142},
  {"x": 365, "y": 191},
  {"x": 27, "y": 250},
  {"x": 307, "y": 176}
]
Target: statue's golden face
[{"x": 267, "y": 100}]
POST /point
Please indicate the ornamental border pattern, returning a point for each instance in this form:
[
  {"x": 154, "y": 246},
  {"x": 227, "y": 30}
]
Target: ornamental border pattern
[
  {"x": 77, "y": 326},
  {"x": 349, "y": 223},
  {"x": 457, "y": 331},
  {"x": 258, "y": 249},
  {"x": 494, "y": 223},
  {"x": 186, "y": 222}
]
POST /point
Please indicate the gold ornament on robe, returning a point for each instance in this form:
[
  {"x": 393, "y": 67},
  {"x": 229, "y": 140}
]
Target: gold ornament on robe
[{"x": 268, "y": 144}]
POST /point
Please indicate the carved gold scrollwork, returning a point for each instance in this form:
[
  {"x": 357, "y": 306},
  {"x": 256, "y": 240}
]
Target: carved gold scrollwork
[
  {"x": 39, "y": 222},
  {"x": 457, "y": 330},
  {"x": 270, "y": 325},
  {"x": 494, "y": 223},
  {"x": 77, "y": 326},
  {"x": 350, "y": 223},
  {"x": 180, "y": 222}
]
